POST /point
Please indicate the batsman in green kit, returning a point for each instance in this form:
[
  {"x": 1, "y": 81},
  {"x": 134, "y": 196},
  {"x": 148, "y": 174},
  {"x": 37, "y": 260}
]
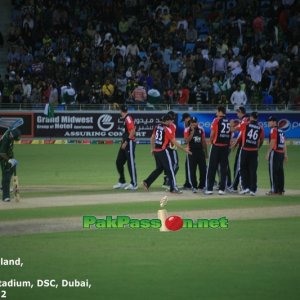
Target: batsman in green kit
[{"x": 8, "y": 163}]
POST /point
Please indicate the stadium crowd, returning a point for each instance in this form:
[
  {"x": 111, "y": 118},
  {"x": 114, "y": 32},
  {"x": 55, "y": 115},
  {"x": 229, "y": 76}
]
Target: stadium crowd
[{"x": 179, "y": 52}]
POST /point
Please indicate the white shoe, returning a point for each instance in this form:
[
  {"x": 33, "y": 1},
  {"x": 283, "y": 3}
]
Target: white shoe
[
  {"x": 252, "y": 193},
  {"x": 231, "y": 190},
  {"x": 131, "y": 187},
  {"x": 6, "y": 199},
  {"x": 119, "y": 185},
  {"x": 208, "y": 192},
  {"x": 194, "y": 190},
  {"x": 243, "y": 192},
  {"x": 221, "y": 192},
  {"x": 176, "y": 190}
]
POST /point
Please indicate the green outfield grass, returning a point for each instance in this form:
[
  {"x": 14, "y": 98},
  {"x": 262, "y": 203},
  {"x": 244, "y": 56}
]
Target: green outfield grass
[
  {"x": 94, "y": 165},
  {"x": 145, "y": 207},
  {"x": 256, "y": 259}
]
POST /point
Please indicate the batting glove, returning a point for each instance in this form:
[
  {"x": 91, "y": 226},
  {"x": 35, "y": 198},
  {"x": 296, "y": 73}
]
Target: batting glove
[{"x": 13, "y": 162}]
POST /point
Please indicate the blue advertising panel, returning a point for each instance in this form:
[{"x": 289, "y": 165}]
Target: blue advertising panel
[{"x": 288, "y": 122}]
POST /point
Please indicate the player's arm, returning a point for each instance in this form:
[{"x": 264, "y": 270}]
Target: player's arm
[
  {"x": 285, "y": 152},
  {"x": 188, "y": 134},
  {"x": 271, "y": 145},
  {"x": 4, "y": 156},
  {"x": 130, "y": 127},
  {"x": 180, "y": 147},
  {"x": 261, "y": 138},
  {"x": 212, "y": 136},
  {"x": 213, "y": 130},
  {"x": 235, "y": 127},
  {"x": 171, "y": 137},
  {"x": 3, "y": 146},
  {"x": 204, "y": 144},
  {"x": 152, "y": 142},
  {"x": 233, "y": 144},
  {"x": 131, "y": 133}
]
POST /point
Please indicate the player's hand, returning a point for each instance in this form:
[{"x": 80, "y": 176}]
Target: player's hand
[
  {"x": 123, "y": 146},
  {"x": 188, "y": 151},
  {"x": 286, "y": 158},
  {"x": 267, "y": 156},
  {"x": 233, "y": 145},
  {"x": 13, "y": 162}
]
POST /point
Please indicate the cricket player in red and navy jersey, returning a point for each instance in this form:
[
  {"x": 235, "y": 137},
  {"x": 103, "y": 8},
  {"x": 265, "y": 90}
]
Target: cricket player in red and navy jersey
[
  {"x": 127, "y": 152},
  {"x": 194, "y": 136},
  {"x": 172, "y": 149},
  {"x": 241, "y": 113},
  {"x": 252, "y": 138},
  {"x": 220, "y": 137},
  {"x": 186, "y": 119},
  {"x": 276, "y": 155},
  {"x": 161, "y": 137}
]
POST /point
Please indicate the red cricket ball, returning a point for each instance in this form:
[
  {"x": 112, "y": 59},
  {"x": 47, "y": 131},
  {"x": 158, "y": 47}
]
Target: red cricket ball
[{"x": 174, "y": 223}]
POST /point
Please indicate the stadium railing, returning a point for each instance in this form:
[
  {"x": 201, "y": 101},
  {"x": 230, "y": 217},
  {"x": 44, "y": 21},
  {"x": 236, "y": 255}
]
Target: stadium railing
[{"x": 147, "y": 107}]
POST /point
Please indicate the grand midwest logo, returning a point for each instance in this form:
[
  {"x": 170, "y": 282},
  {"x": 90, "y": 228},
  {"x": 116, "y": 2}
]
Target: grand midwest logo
[{"x": 172, "y": 223}]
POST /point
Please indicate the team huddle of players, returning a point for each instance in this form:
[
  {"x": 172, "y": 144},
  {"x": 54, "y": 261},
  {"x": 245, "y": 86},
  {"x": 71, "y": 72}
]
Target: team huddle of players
[{"x": 247, "y": 144}]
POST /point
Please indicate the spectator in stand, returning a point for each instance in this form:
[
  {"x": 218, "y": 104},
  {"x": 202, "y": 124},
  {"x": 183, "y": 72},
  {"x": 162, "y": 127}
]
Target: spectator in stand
[
  {"x": 156, "y": 74},
  {"x": 28, "y": 20},
  {"x": 123, "y": 27},
  {"x": 131, "y": 85},
  {"x": 258, "y": 28},
  {"x": 26, "y": 88},
  {"x": 108, "y": 90},
  {"x": 254, "y": 69},
  {"x": 191, "y": 34},
  {"x": 14, "y": 33},
  {"x": 271, "y": 66},
  {"x": 166, "y": 17},
  {"x": 27, "y": 35},
  {"x": 67, "y": 94},
  {"x": 238, "y": 97},
  {"x": 219, "y": 65},
  {"x": 182, "y": 23},
  {"x": 139, "y": 95},
  {"x": 45, "y": 92},
  {"x": 53, "y": 98},
  {"x": 235, "y": 67},
  {"x": 202, "y": 89},
  {"x": 133, "y": 49},
  {"x": 184, "y": 95},
  {"x": 16, "y": 96},
  {"x": 175, "y": 66},
  {"x": 121, "y": 83},
  {"x": 36, "y": 92},
  {"x": 13, "y": 56},
  {"x": 81, "y": 38},
  {"x": 82, "y": 98}
]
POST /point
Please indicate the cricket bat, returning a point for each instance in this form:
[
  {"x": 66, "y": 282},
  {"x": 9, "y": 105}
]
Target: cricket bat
[{"x": 16, "y": 186}]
